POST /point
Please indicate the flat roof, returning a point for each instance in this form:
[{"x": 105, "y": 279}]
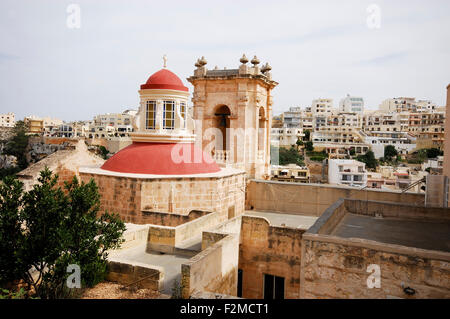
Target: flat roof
[
  {"x": 290, "y": 220},
  {"x": 424, "y": 234}
]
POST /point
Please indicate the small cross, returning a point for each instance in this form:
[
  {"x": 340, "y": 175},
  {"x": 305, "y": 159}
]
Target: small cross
[{"x": 165, "y": 60}]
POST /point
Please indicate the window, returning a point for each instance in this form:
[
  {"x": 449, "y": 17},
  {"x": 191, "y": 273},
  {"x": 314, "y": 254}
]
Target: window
[
  {"x": 183, "y": 112},
  {"x": 273, "y": 287},
  {"x": 150, "y": 115},
  {"x": 169, "y": 115}
]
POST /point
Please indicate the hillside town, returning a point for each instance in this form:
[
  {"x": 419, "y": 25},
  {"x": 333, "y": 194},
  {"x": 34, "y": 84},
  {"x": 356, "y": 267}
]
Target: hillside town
[
  {"x": 276, "y": 199},
  {"x": 223, "y": 159},
  {"x": 393, "y": 147}
]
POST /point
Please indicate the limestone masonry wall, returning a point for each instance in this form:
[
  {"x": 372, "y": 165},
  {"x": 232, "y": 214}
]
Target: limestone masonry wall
[
  {"x": 165, "y": 238},
  {"x": 313, "y": 199},
  {"x": 119, "y": 195},
  {"x": 150, "y": 277},
  {"x": 135, "y": 199},
  {"x": 182, "y": 195},
  {"x": 272, "y": 250},
  {"x": 172, "y": 220},
  {"x": 337, "y": 270},
  {"x": 396, "y": 210},
  {"x": 214, "y": 269}
]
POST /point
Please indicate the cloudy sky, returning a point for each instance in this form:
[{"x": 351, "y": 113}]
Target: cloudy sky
[{"x": 316, "y": 49}]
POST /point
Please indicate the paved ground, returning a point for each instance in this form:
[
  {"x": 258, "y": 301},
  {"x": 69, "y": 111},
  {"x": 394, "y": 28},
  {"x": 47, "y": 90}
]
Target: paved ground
[
  {"x": 290, "y": 220},
  {"x": 421, "y": 234},
  {"x": 170, "y": 263}
]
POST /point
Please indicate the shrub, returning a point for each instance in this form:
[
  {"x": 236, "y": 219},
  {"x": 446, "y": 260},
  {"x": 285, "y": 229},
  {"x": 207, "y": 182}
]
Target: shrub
[{"x": 49, "y": 228}]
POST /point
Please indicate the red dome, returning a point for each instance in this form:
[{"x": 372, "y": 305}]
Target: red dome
[
  {"x": 156, "y": 158},
  {"x": 164, "y": 79}
]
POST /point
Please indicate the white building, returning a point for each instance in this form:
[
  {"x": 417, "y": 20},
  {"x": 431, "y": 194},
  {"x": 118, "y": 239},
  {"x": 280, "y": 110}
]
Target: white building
[
  {"x": 433, "y": 163},
  {"x": 7, "y": 120},
  {"x": 322, "y": 106},
  {"x": 286, "y": 137},
  {"x": 347, "y": 172},
  {"x": 113, "y": 124},
  {"x": 403, "y": 142},
  {"x": 352, "y": 104},
  {"x": 399, "y": 104},
  {"x": 426, "y": 106},
  {"x": 290, "y": 172},
  {"x": 292, "y": 118}
]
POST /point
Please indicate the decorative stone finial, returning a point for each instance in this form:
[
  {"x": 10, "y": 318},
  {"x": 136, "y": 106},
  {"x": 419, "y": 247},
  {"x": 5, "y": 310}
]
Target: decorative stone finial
[
  {"x": 165, "y": 60},
  {"x": 244, "y": 59},
  {"x": 255, "y": 61},
  {"x": 203, "y": 61},
  {"x": 263, "y": 68},
  {"x": 267, "y": 67},
  {"x": 197, "y": 64}
]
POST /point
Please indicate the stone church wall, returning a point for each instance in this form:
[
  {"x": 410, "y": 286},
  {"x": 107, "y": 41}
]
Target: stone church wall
[
  {"x": 134, "y": 199},
  {"x": 272, "y": 250}
]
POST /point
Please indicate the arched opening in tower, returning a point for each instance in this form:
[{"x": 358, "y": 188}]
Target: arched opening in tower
[
  {"x": 261, "y": 129},
  {"x": 222, "y": 122}
]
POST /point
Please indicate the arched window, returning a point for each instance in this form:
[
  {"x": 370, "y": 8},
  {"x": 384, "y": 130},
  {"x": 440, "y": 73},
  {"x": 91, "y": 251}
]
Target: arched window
[
  {"x": 150, "y": 115},
  {"x": 169, "y": 115}
]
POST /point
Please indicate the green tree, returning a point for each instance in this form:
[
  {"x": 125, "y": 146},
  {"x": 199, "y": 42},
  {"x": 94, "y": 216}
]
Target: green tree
[
  {"x": 10, "y": 171},
  {"x": 390, "y": 152},
  {"x": 369, "y": 159},
  {"x": 56, "y": 228},
  {"x": 18, "y": 144},
  {"x": 11, "y": 236},
  {"x": 309, "y": 146},
  {"x": 290, "y": 156},
  {"x": 103, "y": 152},
  {"x": 307, "y": 135},
  {"x": 433, "y": 152}
]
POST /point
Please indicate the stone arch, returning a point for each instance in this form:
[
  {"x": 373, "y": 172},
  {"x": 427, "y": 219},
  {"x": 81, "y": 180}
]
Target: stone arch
[
  {"x": 221, "y": 121},
  {"x": 261, "y": 127}
]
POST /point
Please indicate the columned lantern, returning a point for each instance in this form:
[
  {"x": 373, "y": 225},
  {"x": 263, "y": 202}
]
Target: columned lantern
[{"x": 163, "y": 123}]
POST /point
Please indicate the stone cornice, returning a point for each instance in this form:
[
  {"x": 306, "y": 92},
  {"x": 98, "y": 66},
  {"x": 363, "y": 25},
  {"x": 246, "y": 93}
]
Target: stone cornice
[{"x": 260, "y": 77}]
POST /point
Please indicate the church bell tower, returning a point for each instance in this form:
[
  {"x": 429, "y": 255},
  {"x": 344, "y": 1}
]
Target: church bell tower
[{"x": 233, "y": 114}]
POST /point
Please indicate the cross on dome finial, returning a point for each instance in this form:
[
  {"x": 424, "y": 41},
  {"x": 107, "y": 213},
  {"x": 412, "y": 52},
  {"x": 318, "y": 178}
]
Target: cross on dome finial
[{"x": 165, "y": 60}]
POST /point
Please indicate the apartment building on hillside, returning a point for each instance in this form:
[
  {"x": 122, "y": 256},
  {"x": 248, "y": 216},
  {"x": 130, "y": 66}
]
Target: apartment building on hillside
[{"x": 347, "y": 172}]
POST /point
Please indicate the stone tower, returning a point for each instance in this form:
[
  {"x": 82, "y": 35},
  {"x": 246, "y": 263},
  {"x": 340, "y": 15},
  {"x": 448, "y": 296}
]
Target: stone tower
[{"x": 233, "y": 114}]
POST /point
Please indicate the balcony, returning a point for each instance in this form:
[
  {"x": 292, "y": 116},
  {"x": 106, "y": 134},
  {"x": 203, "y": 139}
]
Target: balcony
[{"x": 221, "y": 156}]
